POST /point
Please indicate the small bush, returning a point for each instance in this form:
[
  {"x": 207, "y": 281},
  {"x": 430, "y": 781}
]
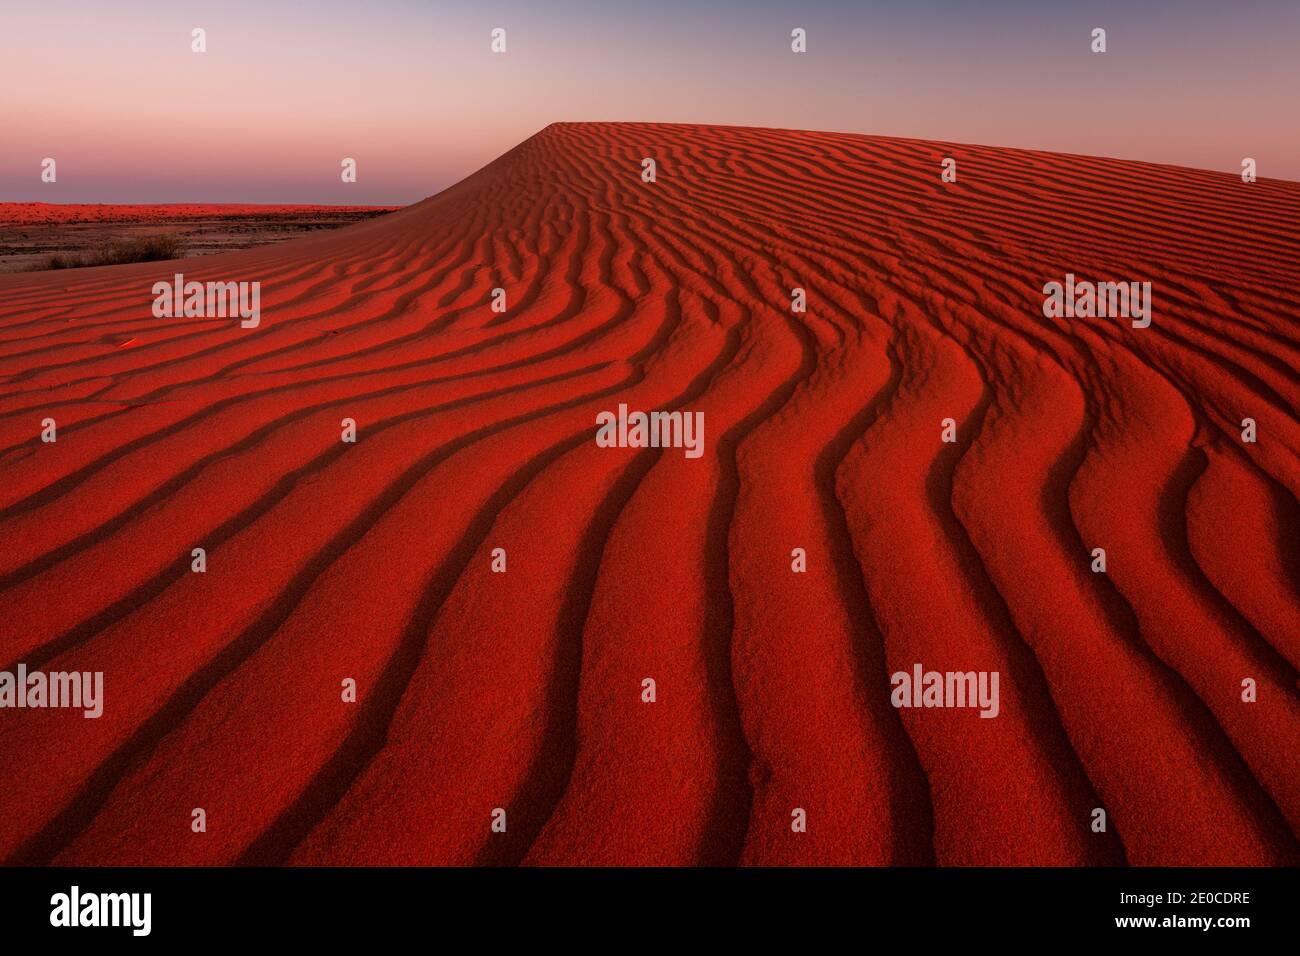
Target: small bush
[
  {"x": 142, "y": 249},
  {"x": 121, "y": 251}
]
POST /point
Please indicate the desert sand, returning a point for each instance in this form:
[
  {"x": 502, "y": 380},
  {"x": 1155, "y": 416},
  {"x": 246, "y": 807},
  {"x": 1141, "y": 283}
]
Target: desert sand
[{"x": 477, "y": 690}]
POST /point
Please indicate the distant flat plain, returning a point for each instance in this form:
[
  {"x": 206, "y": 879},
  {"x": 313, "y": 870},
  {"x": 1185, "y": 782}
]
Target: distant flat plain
[{"x": 32, "y": 233}]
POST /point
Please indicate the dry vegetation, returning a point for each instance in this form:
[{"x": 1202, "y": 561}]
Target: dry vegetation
[{"x": 120, "y": 251}]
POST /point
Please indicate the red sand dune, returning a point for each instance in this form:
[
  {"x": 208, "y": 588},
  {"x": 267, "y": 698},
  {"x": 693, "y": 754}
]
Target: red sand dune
[{"x": 522, "y": 690}]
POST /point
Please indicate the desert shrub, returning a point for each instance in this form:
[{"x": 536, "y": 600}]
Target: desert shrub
[
  {"x": 141, "y": 249},
  {"x": 121, "y": 251}
]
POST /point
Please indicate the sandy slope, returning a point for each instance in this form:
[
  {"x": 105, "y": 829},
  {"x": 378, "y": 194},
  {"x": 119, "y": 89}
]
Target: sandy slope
[{"x": 523, "y": 690}]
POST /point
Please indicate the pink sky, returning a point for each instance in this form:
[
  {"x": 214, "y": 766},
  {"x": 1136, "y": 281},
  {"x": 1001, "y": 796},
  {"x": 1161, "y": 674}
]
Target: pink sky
[{"x": 412, "y": 91}]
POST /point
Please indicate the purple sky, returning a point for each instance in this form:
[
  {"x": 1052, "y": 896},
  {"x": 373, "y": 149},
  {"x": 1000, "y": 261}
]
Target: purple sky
[{"x": 412, "y": 91}]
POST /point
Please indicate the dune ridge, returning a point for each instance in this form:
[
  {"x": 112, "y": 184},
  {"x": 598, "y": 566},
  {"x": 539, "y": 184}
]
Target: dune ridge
[{"x": 522, "y": 690}]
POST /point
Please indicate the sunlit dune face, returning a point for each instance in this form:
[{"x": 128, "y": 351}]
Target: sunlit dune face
[{"x": 367, "y": 530}]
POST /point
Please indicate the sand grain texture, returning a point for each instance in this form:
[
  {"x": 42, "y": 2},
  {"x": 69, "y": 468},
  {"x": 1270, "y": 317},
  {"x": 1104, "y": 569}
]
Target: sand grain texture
[{"x": 522, "y": 690}]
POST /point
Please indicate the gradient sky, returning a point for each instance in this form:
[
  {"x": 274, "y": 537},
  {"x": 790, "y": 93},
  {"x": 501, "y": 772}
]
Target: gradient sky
[{"x": 411, "y": 90}]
